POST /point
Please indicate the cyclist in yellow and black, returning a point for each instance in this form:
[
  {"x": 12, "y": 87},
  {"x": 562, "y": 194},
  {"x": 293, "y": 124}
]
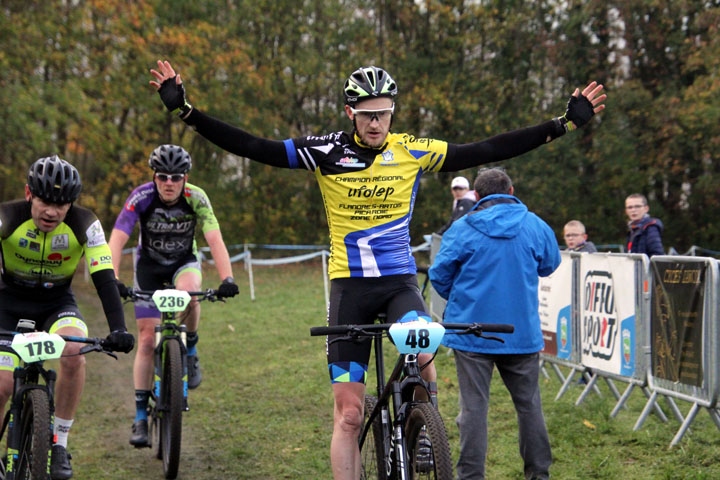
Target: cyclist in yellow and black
[
  {"x": 42, "y": 239},
  {"x": 369, "y": 178}
]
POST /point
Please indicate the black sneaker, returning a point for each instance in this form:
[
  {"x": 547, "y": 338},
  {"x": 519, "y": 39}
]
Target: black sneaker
[
  {"x": 60, "y": 468},
  {"x": 194, "y": 372},
  {"x": 423, "y": 449},
  {"x": 139, "y": 437}
]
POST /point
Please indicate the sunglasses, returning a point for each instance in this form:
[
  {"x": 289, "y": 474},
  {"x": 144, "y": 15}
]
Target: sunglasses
[
  {"x": 175, "y": 177},
  {"x": 370, "y": 115}
]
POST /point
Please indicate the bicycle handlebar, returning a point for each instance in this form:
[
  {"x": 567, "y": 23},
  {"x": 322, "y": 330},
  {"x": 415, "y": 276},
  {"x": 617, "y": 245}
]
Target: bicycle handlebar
[
  {"x": 371, "y": 329},
  {"x": 209, "y": 294},
  {"x": 94, "y": 344}
]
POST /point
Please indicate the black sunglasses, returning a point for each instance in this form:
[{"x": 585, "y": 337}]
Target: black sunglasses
[{"x": 175, "y": 177}]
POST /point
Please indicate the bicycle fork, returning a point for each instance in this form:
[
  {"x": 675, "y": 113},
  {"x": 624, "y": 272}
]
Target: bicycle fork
[
  {"x": 179, "y": 334},
  {"x": 14, "y": 429}
]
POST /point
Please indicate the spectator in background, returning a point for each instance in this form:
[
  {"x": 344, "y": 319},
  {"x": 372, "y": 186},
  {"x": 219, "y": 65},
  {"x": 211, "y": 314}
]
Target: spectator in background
[
  {"x": 644, "y": 232},
  {"x": 463, "y": 200},
  {"x": 487, "y": 268},
  {"x": 576, "y": 238}
]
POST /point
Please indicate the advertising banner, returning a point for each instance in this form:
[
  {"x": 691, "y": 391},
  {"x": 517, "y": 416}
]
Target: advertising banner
[
  {"x": 677, "y": 321},
  {"x": 554, "y": 307},
  {"x": 607, "y": 313}
]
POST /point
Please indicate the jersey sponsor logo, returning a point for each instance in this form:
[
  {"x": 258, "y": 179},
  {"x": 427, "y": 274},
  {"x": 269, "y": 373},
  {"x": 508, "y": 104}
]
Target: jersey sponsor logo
[
  {"x": 170, "y": 246},
  {"x": 388, "y": 159},
  {"x": 348, "y": 151},
  {"x": 95, "y": 235},
  {"x": 34, "y": 246},
  {"x": 48, "y": 285},
  {"x": 188, "y": 192},
  {"x": 31, "y": 234},
  {"x": 60, "y": 242},
  {"x": 23, "y": 242},
  {"x": 137, "y": 198},
  {"x": 41, "y": 271},
  {"x": 64, "y": 321},
  {"x": 330, "y": 136},
  {"x": 35, "y": 261},
  {"x": 159, "y": 226},
  {"x": 6, "y": 360},
  {"x": 376, "y": 191},
  {"x": 350, "y": 163},
  {"x": 101, "y": 260},
  {"x": 58, "y": 256}
]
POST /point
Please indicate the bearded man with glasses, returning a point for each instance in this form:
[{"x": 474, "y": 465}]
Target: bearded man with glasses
[
  {"x": 168, "y": 210},
  {"x": 369, "y": 178}
]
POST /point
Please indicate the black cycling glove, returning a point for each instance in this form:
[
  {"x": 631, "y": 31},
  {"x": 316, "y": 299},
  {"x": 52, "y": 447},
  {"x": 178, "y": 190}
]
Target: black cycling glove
[
  {"x": 123, "y": 290},
  {"x": 173, "y": 96},
  {"x": 579, "y": 111},
  {"x": 227, "y": 288},
  {"x": 120, "y": 341}
]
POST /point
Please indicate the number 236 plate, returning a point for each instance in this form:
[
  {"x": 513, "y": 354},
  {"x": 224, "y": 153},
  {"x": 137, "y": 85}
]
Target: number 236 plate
[{"x": 417, "y": 336}]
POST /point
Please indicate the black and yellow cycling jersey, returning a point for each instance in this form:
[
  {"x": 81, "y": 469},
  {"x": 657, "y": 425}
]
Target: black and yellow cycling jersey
[
  {"x": 40, "y": 266},
  {"x": 369, "y": 196},
  {"x": 35, "y": 259},
  {"x": 369, "y": 192}
]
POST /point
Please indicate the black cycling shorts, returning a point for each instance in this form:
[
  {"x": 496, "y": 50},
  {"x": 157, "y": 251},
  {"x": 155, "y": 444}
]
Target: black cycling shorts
[
  {"x": 46, "y": 311},
  {"x": 358, "y": 301},
  {"x": 150, "y": 275}
]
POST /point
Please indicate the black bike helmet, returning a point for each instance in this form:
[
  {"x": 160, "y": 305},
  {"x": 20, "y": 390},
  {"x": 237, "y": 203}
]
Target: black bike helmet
[
  {"x": 54, "y": 180},
  {"x": 170, "y": 159},
  {"x": 368, "y": 82}
]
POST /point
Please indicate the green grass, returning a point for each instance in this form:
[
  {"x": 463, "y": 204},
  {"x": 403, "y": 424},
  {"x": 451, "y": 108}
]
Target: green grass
[{"x": 264, "y": 409}]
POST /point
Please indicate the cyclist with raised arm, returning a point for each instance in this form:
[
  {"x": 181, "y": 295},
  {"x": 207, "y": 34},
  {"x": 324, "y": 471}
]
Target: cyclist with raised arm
[
  {"x": 43, "y": 238},
  {"x": 168, "y": 210},
  {"x": 368, "y": 178}
]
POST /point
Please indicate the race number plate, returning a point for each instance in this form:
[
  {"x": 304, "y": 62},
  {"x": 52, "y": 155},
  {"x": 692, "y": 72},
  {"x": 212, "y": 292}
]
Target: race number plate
[
  {"x": 417, "y": 336},
  {"x": 171, "y": 300},
  {"x": 38, "y": 346}
]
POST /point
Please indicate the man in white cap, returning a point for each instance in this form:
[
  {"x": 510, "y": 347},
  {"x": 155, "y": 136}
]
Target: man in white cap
[{"x": 463, "y": 200}]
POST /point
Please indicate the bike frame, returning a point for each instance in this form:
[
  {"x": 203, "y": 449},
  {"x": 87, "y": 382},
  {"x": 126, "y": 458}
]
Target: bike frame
[
  {"x": 399, "y": 389},
  {"x": 26, "y": 378}
]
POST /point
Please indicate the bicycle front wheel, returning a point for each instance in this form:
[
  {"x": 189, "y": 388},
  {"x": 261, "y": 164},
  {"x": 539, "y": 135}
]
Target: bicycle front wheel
[
  {"x": 34, "y": 449},
  {"x": 172, "y": 399},
  {"x": 427, "y": 444},
  {"x": 373, "y": 458}
]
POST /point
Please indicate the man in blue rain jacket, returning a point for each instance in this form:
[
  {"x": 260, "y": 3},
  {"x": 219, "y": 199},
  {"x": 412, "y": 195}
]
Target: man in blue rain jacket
[{"x": 487, "y": 268}]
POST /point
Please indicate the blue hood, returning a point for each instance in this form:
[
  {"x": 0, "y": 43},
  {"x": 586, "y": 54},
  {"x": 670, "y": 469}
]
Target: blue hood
[{"x": 500, "y": 221}]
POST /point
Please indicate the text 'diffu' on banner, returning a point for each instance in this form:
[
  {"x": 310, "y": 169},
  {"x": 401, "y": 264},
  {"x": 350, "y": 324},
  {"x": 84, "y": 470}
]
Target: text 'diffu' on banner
[
  {"x": 612, "y": 306},
  {"x": 685, "y": 336}
]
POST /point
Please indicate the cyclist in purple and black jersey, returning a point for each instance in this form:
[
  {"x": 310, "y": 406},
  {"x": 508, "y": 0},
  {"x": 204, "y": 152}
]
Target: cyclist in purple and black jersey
[{"x": 168, "y": 210}]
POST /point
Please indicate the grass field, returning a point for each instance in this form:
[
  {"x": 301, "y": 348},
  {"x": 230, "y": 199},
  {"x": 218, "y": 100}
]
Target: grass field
[{"x": 264, "y": 409}]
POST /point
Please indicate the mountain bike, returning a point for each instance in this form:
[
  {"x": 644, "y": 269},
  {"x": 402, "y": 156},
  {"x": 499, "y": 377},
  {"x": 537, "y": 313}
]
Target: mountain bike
[
  {"x": 30, "y": 419},
  {"x": 168, "y": 398},
  {"x": 403, "y": 436}
]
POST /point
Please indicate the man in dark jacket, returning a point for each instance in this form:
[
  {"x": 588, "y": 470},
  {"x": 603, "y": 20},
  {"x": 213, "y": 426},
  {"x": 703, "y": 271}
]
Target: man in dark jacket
[
  {"x": 644, "y": 231},
  {"x": 463, "y": 200},
  {"x": 487, "y": 268}
]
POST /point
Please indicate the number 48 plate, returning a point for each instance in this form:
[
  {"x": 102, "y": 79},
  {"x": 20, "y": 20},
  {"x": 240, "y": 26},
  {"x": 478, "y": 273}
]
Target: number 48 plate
[{"x": 417, "y": 336}]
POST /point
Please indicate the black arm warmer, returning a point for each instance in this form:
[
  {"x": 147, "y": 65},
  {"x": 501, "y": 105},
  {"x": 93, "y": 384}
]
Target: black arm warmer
[
  {"x": 104, "y": 281},
  {"x": 238, "y": 141},
  {"x": 500, "y": 147}
]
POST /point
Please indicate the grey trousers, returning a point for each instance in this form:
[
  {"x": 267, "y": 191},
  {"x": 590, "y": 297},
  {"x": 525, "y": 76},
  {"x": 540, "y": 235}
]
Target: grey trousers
[{"x": 520, "y": 375}]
